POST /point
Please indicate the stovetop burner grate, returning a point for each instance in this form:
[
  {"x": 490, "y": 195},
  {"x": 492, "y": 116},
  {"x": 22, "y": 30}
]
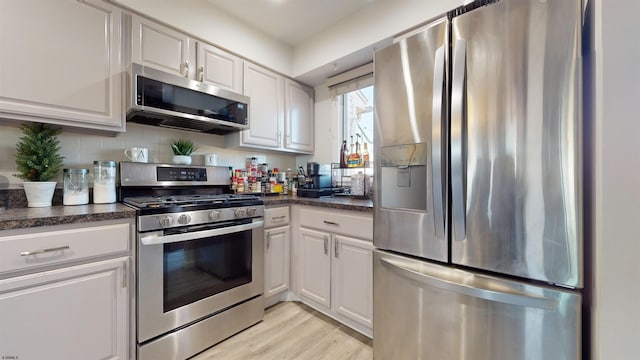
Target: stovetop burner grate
[{"x": 187, "y": 200}]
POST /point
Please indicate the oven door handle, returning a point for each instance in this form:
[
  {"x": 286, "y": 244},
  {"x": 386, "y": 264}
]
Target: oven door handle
[{"x": 165, "y": 239}]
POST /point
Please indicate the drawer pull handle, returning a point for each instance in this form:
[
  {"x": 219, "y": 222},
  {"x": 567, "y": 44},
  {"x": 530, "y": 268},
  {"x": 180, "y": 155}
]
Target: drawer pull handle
[
  {"x": 42, "y": 251},
  {"x": 331, "y": 223},
  {"x": 278, "y": 218}
]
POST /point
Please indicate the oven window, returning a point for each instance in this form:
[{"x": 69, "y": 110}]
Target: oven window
[{"x": 197, "y": 269}]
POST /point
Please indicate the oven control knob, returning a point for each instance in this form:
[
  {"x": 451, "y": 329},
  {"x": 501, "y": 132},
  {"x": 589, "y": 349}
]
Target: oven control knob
[
  {"x": 251, "y": 211},
  {"x": 240, "y": 212},
  {"x": 184, "y": 219},
  {"x": 165, "y": 221},
  {"x": 214, "y": 215}
]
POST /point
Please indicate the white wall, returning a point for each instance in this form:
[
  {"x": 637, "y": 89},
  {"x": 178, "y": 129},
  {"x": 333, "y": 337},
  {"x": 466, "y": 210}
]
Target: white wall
[
  {"x": 616, "y": 310},
  {"x": 328, "y": 129},
  {"x": 375, "y": 23},
  {"x": 81, "y": 150}
]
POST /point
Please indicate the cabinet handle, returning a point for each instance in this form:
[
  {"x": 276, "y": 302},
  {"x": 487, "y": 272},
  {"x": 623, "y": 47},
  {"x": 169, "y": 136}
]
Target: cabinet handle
[
  {"x": 201, "y": 71},
  {"x": 335, "y": 248},
  {"x": 331, "y": 223},
  {"x": 278, "y": 218},
  {"x": 186, "y": 68},
  {"x": 326, "y": 245},
  {"x": 42, "y": 251},
  {"x": 268, "y": 241},
  {"x": 124, "y": 275}
]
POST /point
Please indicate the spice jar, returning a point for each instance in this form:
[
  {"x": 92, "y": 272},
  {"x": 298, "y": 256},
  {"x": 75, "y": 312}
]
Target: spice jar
[
  {"x": 76, "y": 186},
  {"x": 104, "y": 182}
]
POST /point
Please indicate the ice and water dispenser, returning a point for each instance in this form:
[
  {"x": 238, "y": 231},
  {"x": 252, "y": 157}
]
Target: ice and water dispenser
[{"x": 404, "y": 176}]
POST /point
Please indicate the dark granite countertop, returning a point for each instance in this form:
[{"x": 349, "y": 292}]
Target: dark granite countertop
[
  {"x": 18, "y": 218},
  {"x": 24, "y": 217},
  {"x": 334, "y": 202}
]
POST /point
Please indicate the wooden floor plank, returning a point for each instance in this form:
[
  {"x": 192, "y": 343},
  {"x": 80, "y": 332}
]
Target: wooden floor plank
[{"x": 292, "y": 330}]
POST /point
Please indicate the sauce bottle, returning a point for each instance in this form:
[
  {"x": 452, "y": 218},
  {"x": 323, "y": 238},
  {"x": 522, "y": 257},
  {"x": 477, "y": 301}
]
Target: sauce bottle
[{"x": 344, "y": 154}]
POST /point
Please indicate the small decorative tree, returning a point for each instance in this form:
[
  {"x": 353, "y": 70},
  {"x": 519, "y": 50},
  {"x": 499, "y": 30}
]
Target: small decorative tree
[{"x": 37, "y": 156}]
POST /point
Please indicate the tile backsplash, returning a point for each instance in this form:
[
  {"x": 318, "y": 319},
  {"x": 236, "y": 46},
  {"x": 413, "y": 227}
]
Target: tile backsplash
[{"x": 80, "y": 150}]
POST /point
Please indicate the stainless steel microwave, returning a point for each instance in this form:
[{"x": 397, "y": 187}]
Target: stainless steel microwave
[{"x": 162, "y": 99}]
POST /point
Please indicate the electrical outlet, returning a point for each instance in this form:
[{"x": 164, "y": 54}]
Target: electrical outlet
[{"x": 261, "y": 158}]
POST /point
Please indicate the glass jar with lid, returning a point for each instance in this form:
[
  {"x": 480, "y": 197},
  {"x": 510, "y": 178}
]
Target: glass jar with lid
[
  {"x": 76, "y": 186},
  {"x": 104, "y": 182}
]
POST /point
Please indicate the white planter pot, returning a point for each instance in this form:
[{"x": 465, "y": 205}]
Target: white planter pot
[
  {"x": 39, "y": 193},
  {"x": 182, "y": 159}
]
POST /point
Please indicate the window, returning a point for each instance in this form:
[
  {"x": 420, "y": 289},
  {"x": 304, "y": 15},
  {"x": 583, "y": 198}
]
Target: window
[
  {"x": 357, "y": 119},
  {"x": 353, "y": 90}
]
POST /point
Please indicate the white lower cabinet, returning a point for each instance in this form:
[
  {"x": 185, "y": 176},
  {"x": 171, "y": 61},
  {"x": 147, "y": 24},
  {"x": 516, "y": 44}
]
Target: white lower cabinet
[
  {"x": 65, "y": 292},
  {"x": 315, "y": 266},
  {"x": 276, "y": 279},
  {"x": 79, "y": 312},
  {"x": 335, "y": 264},
  {"x": 353, "y": 279},
  {"x": 277, "y": 237}
]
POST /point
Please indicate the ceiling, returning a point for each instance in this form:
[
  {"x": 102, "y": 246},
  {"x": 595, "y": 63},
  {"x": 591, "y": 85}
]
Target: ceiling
[{"x": 290, "y": 21}]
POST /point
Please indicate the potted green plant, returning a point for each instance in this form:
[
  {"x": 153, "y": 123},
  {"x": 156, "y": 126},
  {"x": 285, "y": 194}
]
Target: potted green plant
[
  {"x": 38, "y": 161},
  {"x": 182, "y": 150}
]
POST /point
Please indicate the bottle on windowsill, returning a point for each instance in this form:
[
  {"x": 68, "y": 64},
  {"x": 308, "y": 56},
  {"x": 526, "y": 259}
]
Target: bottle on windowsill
[
  {"x": 344, "y": 154},
  {"x": 365, "y": 156},
  {"x": 354, "y": 156}
]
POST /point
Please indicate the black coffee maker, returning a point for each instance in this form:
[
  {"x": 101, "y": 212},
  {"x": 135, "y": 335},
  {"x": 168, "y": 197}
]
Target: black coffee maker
[{"x": 317, "y": 181}]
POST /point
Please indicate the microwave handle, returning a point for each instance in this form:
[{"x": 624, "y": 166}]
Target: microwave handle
[{"x": 155, "y": 239}]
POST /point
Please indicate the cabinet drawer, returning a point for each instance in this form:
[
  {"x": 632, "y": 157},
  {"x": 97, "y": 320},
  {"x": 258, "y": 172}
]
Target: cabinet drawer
[
  {"x": 338, "y": 221},
  {"x": 276, "y": 216},
  {"x": 33, "y": 250}
]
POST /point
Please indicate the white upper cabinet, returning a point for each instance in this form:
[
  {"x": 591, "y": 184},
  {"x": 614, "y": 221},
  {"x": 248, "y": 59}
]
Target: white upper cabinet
[
  {"x": 162, "y": 48},
  {"x": 266, "y": 108},
  {"x": 177, "y": 53},
  {"x": 61, "y": 63},
  {"x": 280, "y": 113},
  {"x": 219, "y": 68},
  {"x": 299, "y": 117}
]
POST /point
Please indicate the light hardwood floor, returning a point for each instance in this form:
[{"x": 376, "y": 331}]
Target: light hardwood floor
[{"x": 292, "y": 330}]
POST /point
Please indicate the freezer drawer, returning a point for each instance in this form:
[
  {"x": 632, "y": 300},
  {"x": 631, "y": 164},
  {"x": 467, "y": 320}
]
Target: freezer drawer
[{"x": 427, "y": 311}]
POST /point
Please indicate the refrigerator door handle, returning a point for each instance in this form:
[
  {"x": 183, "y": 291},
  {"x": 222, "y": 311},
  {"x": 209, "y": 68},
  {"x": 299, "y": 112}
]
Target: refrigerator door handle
[
  {"x": 513, "y": 298},
  {"x": 436, "y": 141},
  {"x": 458, "y": 114}
]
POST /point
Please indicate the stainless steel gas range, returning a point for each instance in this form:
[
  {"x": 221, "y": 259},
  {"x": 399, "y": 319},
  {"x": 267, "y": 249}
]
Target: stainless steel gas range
[{"x": 199, "y": 257}]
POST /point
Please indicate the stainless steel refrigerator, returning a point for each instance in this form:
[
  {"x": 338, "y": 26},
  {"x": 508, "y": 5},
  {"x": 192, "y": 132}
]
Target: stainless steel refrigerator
[{"x": 478, "y": 205}]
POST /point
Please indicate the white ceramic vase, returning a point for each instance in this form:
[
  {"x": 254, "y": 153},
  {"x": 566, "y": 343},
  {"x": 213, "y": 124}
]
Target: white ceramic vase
[
  {"x": 182, "y": 159},
  {"x": 39, "y": 193}
]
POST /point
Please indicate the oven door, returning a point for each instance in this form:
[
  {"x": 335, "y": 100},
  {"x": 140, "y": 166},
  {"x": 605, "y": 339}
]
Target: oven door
[{"x": 189, "y": 273}]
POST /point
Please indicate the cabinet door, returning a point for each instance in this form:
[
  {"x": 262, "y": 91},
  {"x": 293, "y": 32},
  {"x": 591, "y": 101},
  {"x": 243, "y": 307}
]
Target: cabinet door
[
  {"x": 353, "y": 279},
  {"x": 61, "y": 63},
  {"x": 266, "y": 107},
  {"x": 219, "y": 68},
  {"x": 162, "y": 48},
  {"x": 276, "y": 276},
  {"x": 299, "y": 130},
  {"x": 79, "y": 312},
  {"x": 315, "y": 266}
]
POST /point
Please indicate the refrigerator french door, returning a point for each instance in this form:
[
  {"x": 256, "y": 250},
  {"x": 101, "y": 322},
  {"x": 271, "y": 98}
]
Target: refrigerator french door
[{"x": 478, "y": 220}]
